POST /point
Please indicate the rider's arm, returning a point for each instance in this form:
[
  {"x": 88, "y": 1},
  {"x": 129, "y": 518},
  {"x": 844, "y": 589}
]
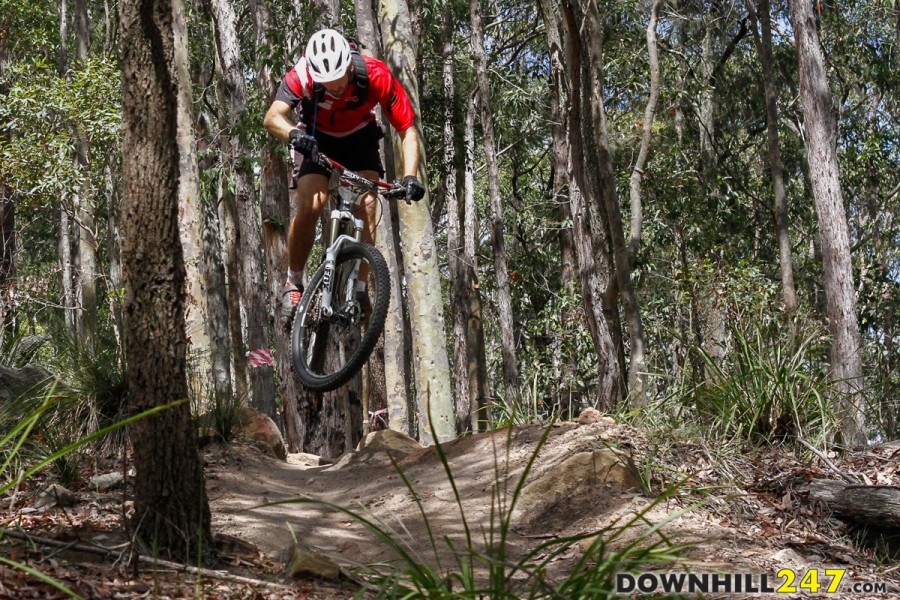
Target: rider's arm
[
  {"x": 409, "y": 147},
  {"x": 277, "y": 120}
]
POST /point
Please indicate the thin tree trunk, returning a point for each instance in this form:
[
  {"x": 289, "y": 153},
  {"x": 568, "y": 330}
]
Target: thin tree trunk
[
  {"x": 252, "y": 281},
  {"x": 763, "y": 40},
  {"x": 476, "y": 360},
  {"x": 593, "y": 284},
  {"x": 212, "y": 272},
  {"x": 228, "y": 222},
  {"x": 638, "y": 367},
  {"x": 7, "y": 259},
  {"x": 430, "y": 361},
  {"x": 501, "y": 268},
  {"x": 64, "y": 244},
  {"x": 84, "y": 200},
  {"x": 392, "y": 351},
  {"x": 171, "y": 510},
  {"x": 820, "y": 125},
  {"x": 458, "y": 271},
  {"x": 561, "y": 190},
  {"x": 114, "y": 246},
  {"x": 275, "y": 208},
  {"x": 197, "y": 321}
]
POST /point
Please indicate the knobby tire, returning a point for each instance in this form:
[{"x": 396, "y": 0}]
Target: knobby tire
[{"x": 310, "y": 330}]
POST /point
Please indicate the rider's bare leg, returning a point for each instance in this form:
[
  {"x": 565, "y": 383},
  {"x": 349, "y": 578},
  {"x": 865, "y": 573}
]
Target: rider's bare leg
[
  {"x": 311, "y": 198},
  {"x": 368, "y": 212}
]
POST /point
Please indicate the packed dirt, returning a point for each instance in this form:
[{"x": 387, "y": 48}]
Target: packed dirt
[
  {"x": 289, "y": 529},
  {"x": 733, "y": 513}
]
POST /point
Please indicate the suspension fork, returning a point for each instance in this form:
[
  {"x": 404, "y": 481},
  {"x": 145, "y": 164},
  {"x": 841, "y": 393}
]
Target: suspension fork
[{"x": 335, "y": 241}]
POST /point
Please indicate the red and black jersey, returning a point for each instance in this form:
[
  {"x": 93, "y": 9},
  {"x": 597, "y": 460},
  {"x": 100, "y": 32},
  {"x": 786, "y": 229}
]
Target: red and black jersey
[{"x": 351, "y": 112}]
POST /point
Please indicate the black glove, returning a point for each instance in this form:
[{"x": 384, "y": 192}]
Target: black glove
[
  {"x": 414, "y": 189},
  {"x": 302, "y": 143}
]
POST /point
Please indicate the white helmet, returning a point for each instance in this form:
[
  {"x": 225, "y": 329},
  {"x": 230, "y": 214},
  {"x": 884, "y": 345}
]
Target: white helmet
[{"x": 327, "y": 55}]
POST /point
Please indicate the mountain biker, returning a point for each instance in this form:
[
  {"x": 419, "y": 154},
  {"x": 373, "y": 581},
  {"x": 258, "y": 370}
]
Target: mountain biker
[{"x": 337, "y": 89}]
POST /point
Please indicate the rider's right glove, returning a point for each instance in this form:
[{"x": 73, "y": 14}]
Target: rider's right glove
[
  {"x": 302, "y": 143},
  {"x": 414, "y": 189}
]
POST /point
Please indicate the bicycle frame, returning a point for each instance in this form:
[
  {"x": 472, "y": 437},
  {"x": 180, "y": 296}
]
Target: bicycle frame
[{"x": 341, "y": 179}]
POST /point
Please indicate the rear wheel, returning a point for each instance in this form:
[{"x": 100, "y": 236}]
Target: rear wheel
[{"x": 327, "y": 351}]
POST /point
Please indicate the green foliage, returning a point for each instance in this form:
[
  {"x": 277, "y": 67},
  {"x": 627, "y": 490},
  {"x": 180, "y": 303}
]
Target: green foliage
[
  {"x": 37, "y": 119},
  {"x": 773, "y": 385}
]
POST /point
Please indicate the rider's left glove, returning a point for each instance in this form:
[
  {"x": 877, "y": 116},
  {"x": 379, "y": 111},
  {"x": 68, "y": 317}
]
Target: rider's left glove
[{"x": 414, "y": 189}]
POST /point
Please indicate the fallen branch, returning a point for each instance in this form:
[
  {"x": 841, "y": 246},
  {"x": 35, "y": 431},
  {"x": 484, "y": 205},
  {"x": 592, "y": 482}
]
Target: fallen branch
[
  {"x": 845, "y": 476},
  {"x": 869, "y": 504},
  {"x": 148, "y": 560}
]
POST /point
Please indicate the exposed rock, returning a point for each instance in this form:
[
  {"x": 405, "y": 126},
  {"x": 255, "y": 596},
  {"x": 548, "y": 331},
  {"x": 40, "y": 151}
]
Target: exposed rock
[
  {"x": 107, "y": 481},
  {"x": 589, "y": 416},
  {"x": 585, "y": 483},
  {"x": 28, "y": 379},
  {"x": 392, "y": 442},
  {"x": 307, "y": 460},
  {"x": 379, "y": 446},
  {"x": 261, "y": 430},
  {"x": 303, "y": 562},
  {"x": 56, "y": 495}
]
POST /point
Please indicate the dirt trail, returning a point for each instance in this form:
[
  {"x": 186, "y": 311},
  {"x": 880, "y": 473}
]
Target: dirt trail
[{"x": 723, "y": 536}]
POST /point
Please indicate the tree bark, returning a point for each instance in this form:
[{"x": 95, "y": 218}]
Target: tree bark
[
  {"x": 763, "y": 38},
  {"x": 877, "y": 505},
  {"x": 593, "y": 284},
  {"x": 197, "y": 320},
  {"x": 252, "y": 280},
  {"x": 7, "y": 259},
  {"x": 476, "y": 361},
  {"x": 456, "y": 264},
  {"x": 820, "y": 125},
  {"x": 275, "y": 210},
  {"x": 85, "y": 207},
  {"x": 501, "y": 268},
  {"x": 561, "y": 196},
  {"x": 430, "y": 361},
  {"x": 392, "y": 351},
  {"x": 171, "y": 509}
]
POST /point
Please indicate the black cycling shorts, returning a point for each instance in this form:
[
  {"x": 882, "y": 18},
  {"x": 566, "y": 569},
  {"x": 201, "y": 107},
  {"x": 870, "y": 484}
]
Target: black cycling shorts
[{"x": 357, "y": 151}]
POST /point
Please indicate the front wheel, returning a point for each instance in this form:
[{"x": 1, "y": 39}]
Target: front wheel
[{"x": 327, "y": 351}]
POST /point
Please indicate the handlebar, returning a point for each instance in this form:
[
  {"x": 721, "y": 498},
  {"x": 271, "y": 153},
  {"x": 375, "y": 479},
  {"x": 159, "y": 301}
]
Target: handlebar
[{"x": 355, "y": 180}]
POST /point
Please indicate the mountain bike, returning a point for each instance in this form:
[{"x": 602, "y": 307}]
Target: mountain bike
[{"x": 340, "y": 316}]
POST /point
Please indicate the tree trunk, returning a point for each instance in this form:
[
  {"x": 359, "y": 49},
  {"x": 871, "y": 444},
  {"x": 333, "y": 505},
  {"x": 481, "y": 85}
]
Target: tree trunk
[
  {"x": 228, "y": 222},
  {"x": 275, "y": 209},
  {"x": 637, "y": 376},
  {"x": 820, "y": 125},
  {"x": 114, "y": 246},
  {"x": 171, "y": 510},
  {"x": 621, "y": 278},
  {"x": 568, "y": 396},
  {"x": 252, "y": 280},
  {"x": 215, "y": 290},
  {"x": 763, "y": 39},
  {"x": 7, "y": 259},
  {"x": 197, "y": 321},
  {"x": 392, "y": 351},
  {"x": 476, "y": 361},
  {"x": 593, "y": 284},
  {"x": 501, "y": 269},
  {"x": 456, "y": 264},
  {"x": 426, "y": 312},
  {"x": 84, "y": 199}
]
